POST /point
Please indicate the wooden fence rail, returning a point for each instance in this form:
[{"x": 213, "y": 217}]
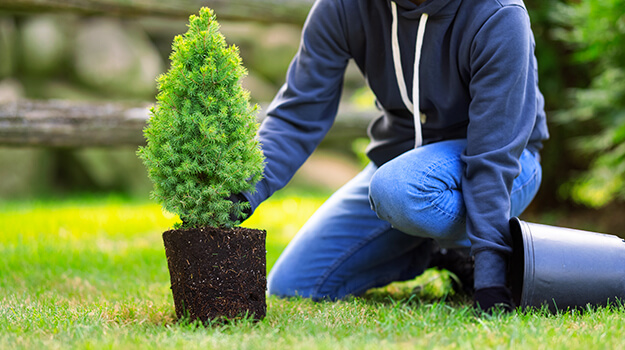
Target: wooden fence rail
[
  {"x": 87, "y": 124},
  {"x": 282, "y": 11}
]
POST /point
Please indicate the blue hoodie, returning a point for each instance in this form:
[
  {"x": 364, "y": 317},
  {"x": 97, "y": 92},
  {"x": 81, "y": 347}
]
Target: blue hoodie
[{"x": 477, "y": 80}]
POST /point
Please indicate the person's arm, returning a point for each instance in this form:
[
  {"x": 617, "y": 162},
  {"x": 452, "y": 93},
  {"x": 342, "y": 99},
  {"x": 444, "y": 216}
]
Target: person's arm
[
  {"x": 502, "y": 115},
  {"x": 305, "y": 107}
]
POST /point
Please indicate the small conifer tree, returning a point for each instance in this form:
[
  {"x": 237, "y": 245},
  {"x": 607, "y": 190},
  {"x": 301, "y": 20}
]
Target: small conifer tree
[{"x": 201, "y": 145}]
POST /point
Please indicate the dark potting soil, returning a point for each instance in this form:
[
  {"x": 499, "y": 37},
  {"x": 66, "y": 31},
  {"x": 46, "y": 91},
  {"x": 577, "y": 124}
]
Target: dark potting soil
[{"x": 217, "y": 273}]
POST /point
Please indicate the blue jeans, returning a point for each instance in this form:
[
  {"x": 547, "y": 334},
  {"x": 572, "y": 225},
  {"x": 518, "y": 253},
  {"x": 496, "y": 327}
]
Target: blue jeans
[{"x": 381, "y": 226}]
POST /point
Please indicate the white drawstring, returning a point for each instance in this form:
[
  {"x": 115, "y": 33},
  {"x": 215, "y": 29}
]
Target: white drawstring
[{"x": 399, "y": 74}]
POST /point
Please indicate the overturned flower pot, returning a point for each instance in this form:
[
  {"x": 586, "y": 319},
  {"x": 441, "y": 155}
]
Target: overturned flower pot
[
  {"x": 217, "y": 273},
  {"x": 564, "y": 268}
]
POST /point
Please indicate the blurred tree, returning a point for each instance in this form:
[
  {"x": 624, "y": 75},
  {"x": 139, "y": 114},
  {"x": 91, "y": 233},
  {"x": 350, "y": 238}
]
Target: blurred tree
[
  {"x": 595, "y": 29},
  {"x": 556, "y": 73}
]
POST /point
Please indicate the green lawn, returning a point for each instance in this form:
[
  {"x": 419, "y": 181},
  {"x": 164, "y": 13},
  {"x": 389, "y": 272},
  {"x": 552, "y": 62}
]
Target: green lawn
[{"x": 91, "y": 273}]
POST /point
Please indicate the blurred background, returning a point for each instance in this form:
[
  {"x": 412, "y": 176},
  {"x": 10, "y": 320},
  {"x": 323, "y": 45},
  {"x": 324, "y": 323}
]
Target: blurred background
[{"x": 46, "y": 55}]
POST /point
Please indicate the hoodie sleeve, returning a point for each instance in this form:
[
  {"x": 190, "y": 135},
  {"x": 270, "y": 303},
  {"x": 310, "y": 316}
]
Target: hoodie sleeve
[
  {"x": 305, "y": 107},
  {"x": 502, "y": 115}
]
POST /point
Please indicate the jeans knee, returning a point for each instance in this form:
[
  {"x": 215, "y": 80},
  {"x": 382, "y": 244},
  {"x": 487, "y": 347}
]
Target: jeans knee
[
  {"x": 383, "y": 194},
  {"x": 424, "y": 206},
  {"x": 280, "y": 284},
  {"x": 285, "y": 283},
  {"x": 392, "y": 198}
]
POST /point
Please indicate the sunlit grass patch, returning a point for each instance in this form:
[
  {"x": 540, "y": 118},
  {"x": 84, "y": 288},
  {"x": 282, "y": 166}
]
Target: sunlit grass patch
[{"x": 78, "y": 221}]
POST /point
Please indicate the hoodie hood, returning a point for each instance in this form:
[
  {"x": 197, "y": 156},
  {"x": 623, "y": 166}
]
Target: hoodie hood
[{"x": 434, "y": 8}]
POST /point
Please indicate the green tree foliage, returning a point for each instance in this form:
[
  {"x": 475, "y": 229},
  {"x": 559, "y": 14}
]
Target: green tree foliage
[
  {"x": 596, "y": 31},
  {"x": 201, "y": 145}
]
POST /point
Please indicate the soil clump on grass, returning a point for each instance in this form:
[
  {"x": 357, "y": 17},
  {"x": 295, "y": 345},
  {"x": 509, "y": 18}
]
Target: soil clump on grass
[{"x": 217, "y": 273}]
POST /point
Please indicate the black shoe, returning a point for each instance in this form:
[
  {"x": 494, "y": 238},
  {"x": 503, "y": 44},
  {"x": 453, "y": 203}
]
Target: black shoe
[{"x": 460, "y": 264}]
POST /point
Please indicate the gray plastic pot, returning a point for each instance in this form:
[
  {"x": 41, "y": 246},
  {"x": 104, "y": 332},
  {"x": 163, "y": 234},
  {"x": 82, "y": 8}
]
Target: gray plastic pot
[{"x": 565, "y": 268}]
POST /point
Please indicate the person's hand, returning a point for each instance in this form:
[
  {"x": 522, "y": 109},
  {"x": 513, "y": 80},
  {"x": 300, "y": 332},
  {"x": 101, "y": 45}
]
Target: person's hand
[
  {"x": 239, "y": 198},
  {"x": 493, "y": 300}
]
